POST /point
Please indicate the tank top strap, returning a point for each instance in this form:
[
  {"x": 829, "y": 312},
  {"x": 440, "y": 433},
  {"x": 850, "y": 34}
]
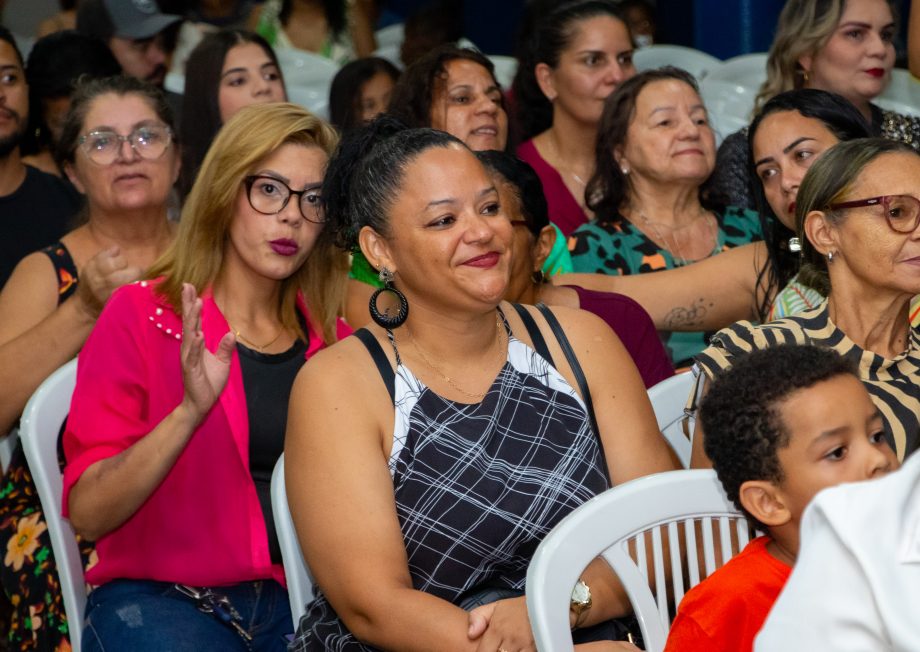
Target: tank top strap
[
  {"x": 504, "y": 319},
  {"x": 395, "y": 348},
  {"x": 64, "y": 269}
]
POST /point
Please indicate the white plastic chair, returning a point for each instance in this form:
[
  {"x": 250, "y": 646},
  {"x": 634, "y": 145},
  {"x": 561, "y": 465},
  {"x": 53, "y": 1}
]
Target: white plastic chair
[
  {"x": 729, "y": 105},
  {"x": 391, "y": 53},
  {"x": 697, "y": 63},
  {"x": 7, "y": 447},
  {"x": 902, "y": 93},
  {"x": 299, "y": 580},
  {"x": 748, "y": 70},
  {"x": 619, "y": 519},
  {"x": 391, "y": 35},
  {"x": 308, "y": 77},
  {"x": 39, "y": 428},
  {"x": 505, "y": 69},
  {"x": 669, "y": 397}
]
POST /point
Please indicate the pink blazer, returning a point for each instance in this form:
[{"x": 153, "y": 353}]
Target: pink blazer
[{"x": 203, "y": 525}]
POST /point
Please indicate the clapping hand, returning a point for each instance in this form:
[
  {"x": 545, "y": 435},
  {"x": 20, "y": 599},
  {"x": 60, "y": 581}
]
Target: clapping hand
[
  {"x": 101, "y": 275},
  {"x": 204, "y": 373}
]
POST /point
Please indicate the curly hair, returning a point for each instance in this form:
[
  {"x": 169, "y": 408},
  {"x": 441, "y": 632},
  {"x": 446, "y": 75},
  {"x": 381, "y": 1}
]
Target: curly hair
[
  {"x": 741, "y": 414},
  {"x": 420, "y": 83}
]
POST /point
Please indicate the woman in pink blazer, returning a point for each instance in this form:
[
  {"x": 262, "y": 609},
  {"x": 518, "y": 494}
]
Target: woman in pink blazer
[{"x": 181, "y": 400}]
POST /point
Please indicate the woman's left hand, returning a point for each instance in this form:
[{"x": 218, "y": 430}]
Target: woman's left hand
[
  {"x": 501, "y": 625},
  {"x": 204, "y": 373}
]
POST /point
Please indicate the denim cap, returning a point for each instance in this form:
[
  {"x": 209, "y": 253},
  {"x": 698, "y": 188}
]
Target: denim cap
[{"x": 138, "y": 19}]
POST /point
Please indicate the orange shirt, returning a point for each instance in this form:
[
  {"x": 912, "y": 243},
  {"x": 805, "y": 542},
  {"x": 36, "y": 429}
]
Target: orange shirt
[{"x": 726, "y": 610}]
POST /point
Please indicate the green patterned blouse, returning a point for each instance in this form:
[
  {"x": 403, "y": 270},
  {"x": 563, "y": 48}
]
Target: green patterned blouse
[{"x": 621, "y": 248}]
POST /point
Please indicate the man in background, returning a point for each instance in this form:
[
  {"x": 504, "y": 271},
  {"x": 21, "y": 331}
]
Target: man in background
[{"x": 36, "y": 208}]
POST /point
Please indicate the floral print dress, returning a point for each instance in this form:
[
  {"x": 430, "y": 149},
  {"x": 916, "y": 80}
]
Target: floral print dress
[{"x": 28, "y": 574}]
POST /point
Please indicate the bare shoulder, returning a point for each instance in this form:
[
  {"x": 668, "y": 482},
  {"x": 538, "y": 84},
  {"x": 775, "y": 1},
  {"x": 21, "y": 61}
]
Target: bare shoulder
[
  {"x": 30, "y": 295},
  {"x": 582, "y": 327},
  {"x": 343, "y": 371}
]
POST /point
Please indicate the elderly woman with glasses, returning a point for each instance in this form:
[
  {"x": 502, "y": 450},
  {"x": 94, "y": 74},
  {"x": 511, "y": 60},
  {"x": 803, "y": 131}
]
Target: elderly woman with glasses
[
  {"x": 181, "y": 400},
  {"x": 858, "y": 222},
  {"x": 117, "y": 148}
]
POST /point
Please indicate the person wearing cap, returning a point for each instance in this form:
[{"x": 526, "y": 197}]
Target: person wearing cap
[{"x": 137, "y": 33}]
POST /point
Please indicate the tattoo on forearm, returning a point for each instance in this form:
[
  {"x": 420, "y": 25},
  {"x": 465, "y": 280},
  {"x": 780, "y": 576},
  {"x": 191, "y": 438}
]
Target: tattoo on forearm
[{"x": 683, "y": 317}]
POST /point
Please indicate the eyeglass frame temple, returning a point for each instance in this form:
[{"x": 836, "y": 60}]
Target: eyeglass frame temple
[{"x": 881, "y": 200}]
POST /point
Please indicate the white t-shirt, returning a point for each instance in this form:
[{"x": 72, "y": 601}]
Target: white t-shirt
[{"x": 856, "y": 583}]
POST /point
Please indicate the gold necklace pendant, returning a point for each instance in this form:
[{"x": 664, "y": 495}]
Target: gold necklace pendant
[
  {"x": 444, "y": 376},
  {"x": 253, "y": 345}
]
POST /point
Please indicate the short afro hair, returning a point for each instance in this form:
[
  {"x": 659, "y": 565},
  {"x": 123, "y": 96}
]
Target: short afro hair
[{"x": 742, "y": 426}]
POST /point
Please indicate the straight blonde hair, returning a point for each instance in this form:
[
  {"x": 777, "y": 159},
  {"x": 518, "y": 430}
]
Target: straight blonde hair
[
  {"x": 197, "y": 254},
  {"x": 803, "y": 28}
]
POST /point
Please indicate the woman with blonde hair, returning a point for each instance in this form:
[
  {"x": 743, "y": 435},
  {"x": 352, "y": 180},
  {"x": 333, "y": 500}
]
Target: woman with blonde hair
[
  {"x": 842, "y": 46},
  {"x": 181, "y": 400}
]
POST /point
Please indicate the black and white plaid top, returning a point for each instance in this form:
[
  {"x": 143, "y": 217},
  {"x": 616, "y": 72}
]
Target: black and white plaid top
[{"x": 478, "y": 486}]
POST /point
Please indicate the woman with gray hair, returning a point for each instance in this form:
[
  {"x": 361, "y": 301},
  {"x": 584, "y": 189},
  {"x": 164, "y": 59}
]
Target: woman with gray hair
[{"x": 858, "y": 221}]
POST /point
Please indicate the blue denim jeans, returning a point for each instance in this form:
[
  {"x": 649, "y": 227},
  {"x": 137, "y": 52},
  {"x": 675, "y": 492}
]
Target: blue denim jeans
[{"x": 142, "y": 616}]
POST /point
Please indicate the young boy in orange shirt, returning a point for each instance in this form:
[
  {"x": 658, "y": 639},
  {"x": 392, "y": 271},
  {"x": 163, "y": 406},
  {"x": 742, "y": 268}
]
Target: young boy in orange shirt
[{"x": 780, "y": 425}]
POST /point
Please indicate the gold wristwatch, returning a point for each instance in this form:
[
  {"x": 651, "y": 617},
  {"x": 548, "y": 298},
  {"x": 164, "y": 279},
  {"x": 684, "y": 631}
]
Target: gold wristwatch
[{"x": 581, "y": 602}]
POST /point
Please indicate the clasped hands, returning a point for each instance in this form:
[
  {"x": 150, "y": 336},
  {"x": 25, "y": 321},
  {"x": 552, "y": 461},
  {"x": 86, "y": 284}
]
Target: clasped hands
[{"x": 504, "y": 626}]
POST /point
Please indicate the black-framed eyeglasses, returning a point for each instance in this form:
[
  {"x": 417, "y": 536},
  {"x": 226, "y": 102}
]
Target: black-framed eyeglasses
[
  {"x": 103, "y": 146},
  {"x": 269, "y": 196},
  {"x": 901, "y": 211}
]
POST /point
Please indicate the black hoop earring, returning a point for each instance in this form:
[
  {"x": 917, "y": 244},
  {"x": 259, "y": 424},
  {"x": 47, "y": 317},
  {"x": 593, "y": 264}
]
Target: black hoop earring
[
  {"x": 384, "y": 320},
  {"x": 538, "y": 277}
]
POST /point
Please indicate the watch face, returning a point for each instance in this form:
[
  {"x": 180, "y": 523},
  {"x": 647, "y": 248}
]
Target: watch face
[{"x": 580, "y": 593}]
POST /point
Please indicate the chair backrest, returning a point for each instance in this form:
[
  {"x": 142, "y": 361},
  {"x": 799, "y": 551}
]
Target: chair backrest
[
  {"x": 631, "y": 525},
  {"x": 669, "y": 397},
  {"x": 299, "y": 580},
  {"x": 730, "y": 105},
  {"x": 697, "y": 63},
  {"x": 748, "y": 70},
  {"x": 38, "y": 429},
  {"x": 308, "y": 78},
  {"x": 902, "y": 93},
  {"x": 7, "y": 447},
  {"x": 505, "y": 69}
]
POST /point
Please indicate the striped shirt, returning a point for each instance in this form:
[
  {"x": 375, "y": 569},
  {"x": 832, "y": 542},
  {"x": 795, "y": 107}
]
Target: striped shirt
[{"x": 893, "y": 384}]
